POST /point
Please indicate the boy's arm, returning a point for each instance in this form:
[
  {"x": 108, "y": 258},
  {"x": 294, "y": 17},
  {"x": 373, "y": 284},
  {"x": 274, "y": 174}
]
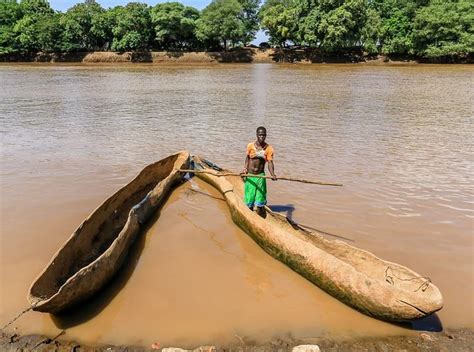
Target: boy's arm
[
  {"x": 271, "y": 168},
  {"x": 246, "y": 165}
]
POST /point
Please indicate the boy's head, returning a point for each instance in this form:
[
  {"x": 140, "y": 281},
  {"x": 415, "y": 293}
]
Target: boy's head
[{"x": 261, "y": 134}]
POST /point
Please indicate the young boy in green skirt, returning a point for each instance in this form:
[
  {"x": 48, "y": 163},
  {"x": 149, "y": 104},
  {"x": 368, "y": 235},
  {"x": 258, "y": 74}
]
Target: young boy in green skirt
[{"x": 258, "y": 153}]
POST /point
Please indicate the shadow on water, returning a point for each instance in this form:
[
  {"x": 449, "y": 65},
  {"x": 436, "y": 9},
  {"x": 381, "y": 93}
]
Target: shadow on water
[
  {"x": 290, "y": 208},
  {"x": 429, "y": 323},
  {"x": 287, "y": 208},
  {"x": 88, "y": 309}
]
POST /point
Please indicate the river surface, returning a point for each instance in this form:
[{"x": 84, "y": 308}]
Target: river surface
[{"x": 398, "y": 137}]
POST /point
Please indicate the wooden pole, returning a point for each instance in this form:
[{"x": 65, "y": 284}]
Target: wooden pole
[{"x": 215, "y": 173}]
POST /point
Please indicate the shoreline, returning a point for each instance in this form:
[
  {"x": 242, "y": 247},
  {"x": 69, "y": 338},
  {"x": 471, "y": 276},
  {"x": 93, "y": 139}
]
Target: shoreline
[
  {"x": 241, "y": 55},
  {"x": 447, "y": 340}
]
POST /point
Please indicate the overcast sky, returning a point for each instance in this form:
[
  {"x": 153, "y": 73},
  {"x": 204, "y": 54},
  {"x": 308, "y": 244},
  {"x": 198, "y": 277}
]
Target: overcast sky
[{"x": 63, "y": 5}]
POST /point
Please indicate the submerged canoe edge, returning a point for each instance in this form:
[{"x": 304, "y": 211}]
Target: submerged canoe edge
[
  {"x": 99, "y": 246},
  {"x": 354, "y": 276}
]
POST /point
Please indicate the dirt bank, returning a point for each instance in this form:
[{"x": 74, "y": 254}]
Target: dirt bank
[
  {"x": 449, "y": 340},
  {"x": 240, "y": 55}
]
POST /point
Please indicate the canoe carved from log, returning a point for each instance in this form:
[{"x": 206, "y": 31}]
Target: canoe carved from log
[
  {"x": 99, "y": 246},
  {"x": 378, "y": 288}
]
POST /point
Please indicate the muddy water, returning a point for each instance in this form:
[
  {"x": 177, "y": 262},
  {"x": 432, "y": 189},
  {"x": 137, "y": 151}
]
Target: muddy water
[{"x": 398, "y": 138}]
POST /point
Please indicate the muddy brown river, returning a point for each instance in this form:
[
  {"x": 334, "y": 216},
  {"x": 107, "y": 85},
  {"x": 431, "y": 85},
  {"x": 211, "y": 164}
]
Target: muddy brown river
[{"x": 398, "y": 137}]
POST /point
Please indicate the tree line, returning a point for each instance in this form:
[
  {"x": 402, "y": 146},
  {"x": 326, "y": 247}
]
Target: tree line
[{"x": 427, "y": 28}]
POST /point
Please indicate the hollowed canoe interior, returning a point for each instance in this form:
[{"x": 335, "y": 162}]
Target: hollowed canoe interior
[{"x": 95, "y": 235}]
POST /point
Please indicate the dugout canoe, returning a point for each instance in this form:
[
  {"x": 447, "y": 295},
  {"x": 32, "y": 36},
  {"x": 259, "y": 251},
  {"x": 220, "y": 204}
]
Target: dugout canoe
[
  {"x": 376, "y": 287},
  {"x": 99, "y": 246}
]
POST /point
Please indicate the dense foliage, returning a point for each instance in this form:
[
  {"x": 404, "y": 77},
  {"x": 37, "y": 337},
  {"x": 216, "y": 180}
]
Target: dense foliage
[
  {"x": 427, "y": 28},
  {"x": 174, "y": 25},
  {"x": 85, "y": 27},
  {"x": 221, "y": 20}
]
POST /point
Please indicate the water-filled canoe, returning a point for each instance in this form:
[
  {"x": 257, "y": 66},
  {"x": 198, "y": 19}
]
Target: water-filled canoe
[
  {"x": 98, "y": 247},
  {"x": 373, "y": 286}
]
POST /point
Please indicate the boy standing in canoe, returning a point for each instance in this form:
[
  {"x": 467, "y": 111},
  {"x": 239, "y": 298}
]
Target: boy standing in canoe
[{"x": 258, "y": 153}]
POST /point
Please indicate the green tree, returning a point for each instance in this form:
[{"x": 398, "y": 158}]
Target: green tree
[
  {"x": 332, "y": 24},
  {"x": 175, "y": 25},
  {"x": 370, "y": 32},
  {"x": 39, "y": 33},
  {"x": 84, "y": 27},
  {"x": 396, "y": 29},
  {"x": 280, "y": 19},
  {"x": 397, "y": 33},
  {"x": 39, "y": 29},
  {"x": 132, "y": 27},
  {"x": 102, "y": 26},
  {"x": 49, "y": 33},
  {"x": 249, "y": 17},
  {"x": 221, "y": 21},
  {"x": 36, "y": 7},
  {"x": 10, "y": 13},
  {"x": 445, "y": 28}
]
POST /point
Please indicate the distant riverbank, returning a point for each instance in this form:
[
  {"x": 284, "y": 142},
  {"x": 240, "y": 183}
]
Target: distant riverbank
[{"x": 241, "y": 55}]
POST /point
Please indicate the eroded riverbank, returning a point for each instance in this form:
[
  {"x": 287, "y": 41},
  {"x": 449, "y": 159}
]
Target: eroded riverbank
[
  {"x": 239, "y": 55},
  {"x": 446, "y": 341}
]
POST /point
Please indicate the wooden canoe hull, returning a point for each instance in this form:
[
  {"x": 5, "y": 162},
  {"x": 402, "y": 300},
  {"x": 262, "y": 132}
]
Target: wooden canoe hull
[
  {"x": 99, "y": 246},
  {"x": 378, "y": 288}
]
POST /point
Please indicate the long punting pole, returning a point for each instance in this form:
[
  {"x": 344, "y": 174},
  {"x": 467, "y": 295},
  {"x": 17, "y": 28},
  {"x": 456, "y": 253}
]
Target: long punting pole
[{"x": 261, "y": 176}]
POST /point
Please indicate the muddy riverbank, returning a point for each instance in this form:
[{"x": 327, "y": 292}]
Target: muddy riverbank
[
  {"x": 449, "y": 340},
  {"x": 240, "y": 55}
]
